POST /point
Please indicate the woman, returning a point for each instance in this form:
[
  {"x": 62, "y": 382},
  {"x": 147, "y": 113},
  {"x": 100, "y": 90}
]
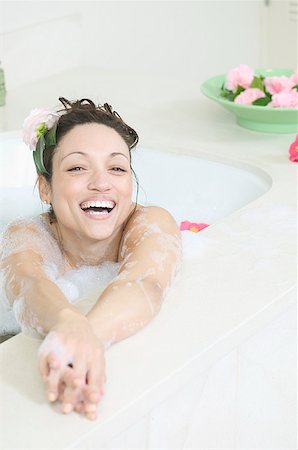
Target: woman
[{"x": 83, "y": 161}]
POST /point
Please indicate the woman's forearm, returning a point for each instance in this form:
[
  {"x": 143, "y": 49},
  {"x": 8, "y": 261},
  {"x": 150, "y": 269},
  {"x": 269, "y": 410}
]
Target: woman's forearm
[
  {"x": 124, "y": 308},
  {"x": 40, "y": 305},
  {"x": 37, "y": 301}
]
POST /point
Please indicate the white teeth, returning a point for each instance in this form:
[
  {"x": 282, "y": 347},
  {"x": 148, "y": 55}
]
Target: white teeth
[
  {"x": 97, "y": 213},
  {"x": 98, "y": 204}
]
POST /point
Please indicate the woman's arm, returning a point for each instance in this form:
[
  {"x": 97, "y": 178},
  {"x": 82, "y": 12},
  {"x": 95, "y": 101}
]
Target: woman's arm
[
  {"x": 150, "y": 256},
  {"x": 37, "y": 301},
  {"x": 71, "y": 358}
]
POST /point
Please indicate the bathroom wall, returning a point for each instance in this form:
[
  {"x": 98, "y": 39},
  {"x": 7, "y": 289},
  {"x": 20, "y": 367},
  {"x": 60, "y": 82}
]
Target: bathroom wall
[
  {"x": 39, "y": 39},
  {"x": 177, "y": 39},
  {"x": 134, "y": 54},
  {"x": 281, "y": 31}
]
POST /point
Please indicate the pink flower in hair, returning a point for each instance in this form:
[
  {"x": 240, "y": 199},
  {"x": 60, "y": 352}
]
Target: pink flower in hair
[
  {"x": 248, "y": 96},
  {"x": 293, "y": 150},
  {"x": 275, "y": 85},
  {"x": 37, "y": 124},
  {"x": 239, "y": 76},
  {"x": 284, "y": 100}
]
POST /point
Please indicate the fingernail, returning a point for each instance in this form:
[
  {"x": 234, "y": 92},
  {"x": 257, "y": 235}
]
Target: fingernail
[
  {"x": 91, "y": 416},
  {"x": 67, "y": 408},
  {"x": 51, "y": 396}
]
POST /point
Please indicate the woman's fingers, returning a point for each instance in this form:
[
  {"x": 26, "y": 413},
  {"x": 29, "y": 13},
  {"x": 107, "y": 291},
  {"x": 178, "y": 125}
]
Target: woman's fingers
[
  {"x": 72, "y": 394},
  {"x": 69, "y": 400},
  {"x": 71, "y": 389},
  {"x": 91, "y": 416},
  {"x": 46, "y": 363},
  {"x": 67, "y": 387},
  {"x": 79, "y": 407},
  {"x": 52, "y": 384},
  {"x": 43, "y": 367},
  {"x": 49, "y": 367},
  {"x": 80, "y": 370},
  {"x": 71, "y": 361},
  {"x": 94, "y": 389},
  {"x": 90, "y": 373}
]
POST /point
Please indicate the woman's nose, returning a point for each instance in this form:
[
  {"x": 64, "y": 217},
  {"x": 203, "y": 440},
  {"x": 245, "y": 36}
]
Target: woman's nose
[{"x": 99, "y": 181}]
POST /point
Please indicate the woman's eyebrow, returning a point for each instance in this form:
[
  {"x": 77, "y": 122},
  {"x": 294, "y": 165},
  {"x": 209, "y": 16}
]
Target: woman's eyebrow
[
  {"x": 112, "y": 155},
  {"x": 74, "y": 153}
]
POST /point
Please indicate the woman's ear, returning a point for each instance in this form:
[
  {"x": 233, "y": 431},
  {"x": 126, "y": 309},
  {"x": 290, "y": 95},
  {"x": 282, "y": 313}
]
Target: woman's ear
[{"x": 44, "y": 190}]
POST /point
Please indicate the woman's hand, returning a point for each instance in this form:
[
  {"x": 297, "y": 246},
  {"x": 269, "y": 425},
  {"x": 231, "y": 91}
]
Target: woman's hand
[{"x": 71, "y": 362}]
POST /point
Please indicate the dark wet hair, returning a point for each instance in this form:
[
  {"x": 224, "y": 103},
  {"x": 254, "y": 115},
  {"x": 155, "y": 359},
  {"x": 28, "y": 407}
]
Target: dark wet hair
[{"x": 82, "y": 112}]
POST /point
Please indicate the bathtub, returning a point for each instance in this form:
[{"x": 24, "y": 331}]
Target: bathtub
[
  {"x": 191, "y": 188},
  {"x": 186, "y": 381}
]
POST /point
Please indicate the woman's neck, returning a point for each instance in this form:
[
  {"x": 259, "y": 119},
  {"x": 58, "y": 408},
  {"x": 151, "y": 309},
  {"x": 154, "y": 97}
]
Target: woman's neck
[
  {"x": 80, "y": 251},
  {"x": 95, "y": 253}
]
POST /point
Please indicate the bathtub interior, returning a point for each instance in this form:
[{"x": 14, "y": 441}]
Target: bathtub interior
[
  {"x": 196, "y": 189},
  {"x": 190, "y": 188}
]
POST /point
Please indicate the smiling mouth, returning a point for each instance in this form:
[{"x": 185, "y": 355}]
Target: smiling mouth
[{"x": 98, "y": 208}]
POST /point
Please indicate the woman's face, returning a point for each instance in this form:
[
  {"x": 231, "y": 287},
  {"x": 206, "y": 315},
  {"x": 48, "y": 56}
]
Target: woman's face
[{"x": 91, "y": 187}]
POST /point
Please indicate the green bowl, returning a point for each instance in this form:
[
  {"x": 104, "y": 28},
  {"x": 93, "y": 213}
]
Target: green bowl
[{"x": 257, "y": 118}]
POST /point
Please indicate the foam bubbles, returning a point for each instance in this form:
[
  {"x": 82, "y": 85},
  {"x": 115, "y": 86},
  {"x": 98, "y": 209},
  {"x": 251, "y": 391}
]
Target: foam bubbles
[
  {"x": 52, "y": 343},
  {"x": 194, "y": 244},
  {"x": 77, "y": 283},
  {"x": 27, "y": 319}
]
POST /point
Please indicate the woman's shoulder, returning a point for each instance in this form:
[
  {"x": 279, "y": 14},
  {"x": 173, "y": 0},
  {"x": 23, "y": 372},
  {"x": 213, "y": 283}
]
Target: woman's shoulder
[
  {"x": 34, "y": 224},
  {"x": 27, "y": 234},
  {"x": 151, "y": 230},
  {"x": 147, "y": 222},
  {"x": 150, "y": 215}
]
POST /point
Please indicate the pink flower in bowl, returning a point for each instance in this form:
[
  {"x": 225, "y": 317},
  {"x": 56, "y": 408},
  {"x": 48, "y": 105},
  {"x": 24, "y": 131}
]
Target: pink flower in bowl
[
  {"x": 294, "y": 77},
  {"x": 275, "y": 85},
  {"x": 239, "y": 76},
  {"x": 293, "y": 150},
  {"x": 248, "y": 96},
  {"x": 37, "y": 124},
  {"x": 284, "y": 100}
]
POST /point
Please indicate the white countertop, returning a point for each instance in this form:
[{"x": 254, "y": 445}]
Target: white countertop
[{"x": 243, "y": 278}]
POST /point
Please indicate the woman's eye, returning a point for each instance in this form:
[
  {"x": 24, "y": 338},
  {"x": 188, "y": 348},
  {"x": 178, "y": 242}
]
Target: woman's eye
[
  {"x": 75, "y": 169},
  {"x": 118, "y": 169}
]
